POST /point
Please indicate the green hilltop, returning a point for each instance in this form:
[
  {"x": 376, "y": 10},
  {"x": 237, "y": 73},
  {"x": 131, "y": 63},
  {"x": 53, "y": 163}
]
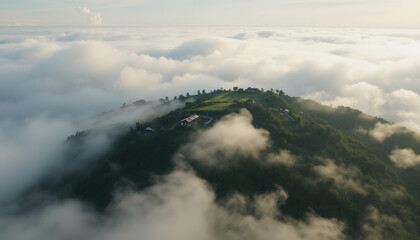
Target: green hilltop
[{"x": 320, "y": 137}]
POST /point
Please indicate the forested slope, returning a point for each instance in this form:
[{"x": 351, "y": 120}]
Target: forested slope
[{"x": 334, "y": 162}]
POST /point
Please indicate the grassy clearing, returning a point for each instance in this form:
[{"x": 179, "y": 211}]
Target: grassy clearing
[
  {"x": 214, "y": 107},
  {"x": 223, "y": 97},
  {"x": 230, "y": 96}
]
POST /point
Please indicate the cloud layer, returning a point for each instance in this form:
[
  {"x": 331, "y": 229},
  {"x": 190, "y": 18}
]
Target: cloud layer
[
  {"x": 180, "y": 206},
  {"x": 53, "y": 80},
  {"x": 33, "y": 146},
  {"x": 374, "y": 71}
]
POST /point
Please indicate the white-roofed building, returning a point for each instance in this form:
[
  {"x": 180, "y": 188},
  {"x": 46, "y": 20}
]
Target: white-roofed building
[{"x": 189, "y": 120}]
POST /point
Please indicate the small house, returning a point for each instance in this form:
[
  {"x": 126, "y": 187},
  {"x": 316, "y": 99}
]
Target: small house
[
  {"x": 189, "y": 120},
  {"x": 150, "y": 130},
  {"x": 284, "y": 110}
]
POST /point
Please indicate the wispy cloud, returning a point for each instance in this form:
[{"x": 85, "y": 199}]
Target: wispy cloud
[
  {"x": 383, "y": 131},
  {"x": 232, "y": 136},
  {"x": 404, "y": 158},
  {"x": 283, "y": 157},
  {"x": 94, "y": 18},
  {"x": 182, "y": 205},
  {"x": 375, "y": 223},
  {"x": 344, "y": 178},
  {"x": 18, "y": 24}
]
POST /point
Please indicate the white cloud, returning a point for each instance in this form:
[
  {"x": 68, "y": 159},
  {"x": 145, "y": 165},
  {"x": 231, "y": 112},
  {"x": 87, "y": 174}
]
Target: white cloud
[
  {"x": 94, "y": 18},
  {"x": 232, "y": 136},
  {"x": 375, "y": 224},
  {"x": 84, "y": 10},
  {"x": 406, "y": 104},
  {"x": 344, "y": 178},
  {"x": 383, "y": 131},
  {"x": 139, "y": 78},
  {"x": 29, "y": 150},
  {"x": 404, "y": 158},
  {"x": 33, "y": 144},
  {"x": 180, "y": 206},
  {"x": 284, "y": 157}
]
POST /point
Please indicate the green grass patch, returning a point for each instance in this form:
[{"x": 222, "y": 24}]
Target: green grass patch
[
  {"x": 223, "y": 97},
  {"x": 214, "y": 107}
]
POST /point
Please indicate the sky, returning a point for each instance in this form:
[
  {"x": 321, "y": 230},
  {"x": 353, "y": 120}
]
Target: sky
[{"x": 181, "y": 13}]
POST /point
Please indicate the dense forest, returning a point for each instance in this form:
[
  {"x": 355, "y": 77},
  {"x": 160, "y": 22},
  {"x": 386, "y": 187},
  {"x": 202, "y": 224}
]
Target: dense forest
[{"x": 333, "y": 161}]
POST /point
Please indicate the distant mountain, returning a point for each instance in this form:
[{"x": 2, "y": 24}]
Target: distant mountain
[{"x": 336, "y": 162}]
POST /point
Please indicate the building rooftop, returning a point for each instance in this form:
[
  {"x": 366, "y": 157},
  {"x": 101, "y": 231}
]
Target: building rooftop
[{"x": 191, "y": 118}]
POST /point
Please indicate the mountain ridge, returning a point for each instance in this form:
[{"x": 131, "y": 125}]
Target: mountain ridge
[{"x": 328, "y": 160}]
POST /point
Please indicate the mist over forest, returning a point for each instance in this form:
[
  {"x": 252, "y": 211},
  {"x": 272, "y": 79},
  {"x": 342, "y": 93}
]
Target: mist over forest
[{"x": 77, "y": 160}]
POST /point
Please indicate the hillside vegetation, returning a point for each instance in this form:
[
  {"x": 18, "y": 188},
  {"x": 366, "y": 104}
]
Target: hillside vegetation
[{"x": 333, "y": 162}]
